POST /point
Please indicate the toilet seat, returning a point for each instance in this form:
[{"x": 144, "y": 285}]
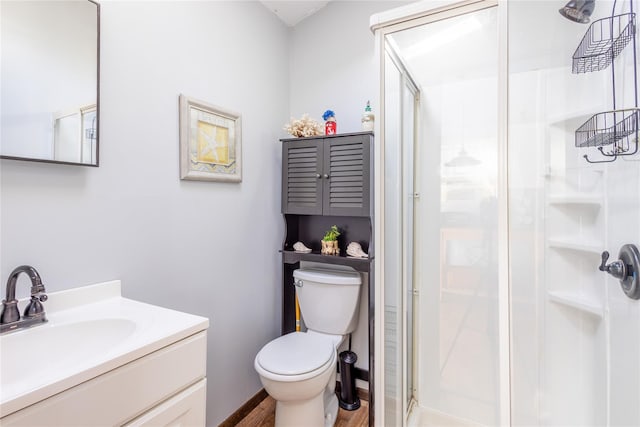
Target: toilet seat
[{"x": 296, "y": 356}]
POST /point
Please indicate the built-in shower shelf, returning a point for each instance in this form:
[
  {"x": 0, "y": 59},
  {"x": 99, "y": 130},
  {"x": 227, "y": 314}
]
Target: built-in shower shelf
[
  {"x": 576, "y": 301},
  {"x": 581, "y": 199},
  {"x": 573, "y": 244}
]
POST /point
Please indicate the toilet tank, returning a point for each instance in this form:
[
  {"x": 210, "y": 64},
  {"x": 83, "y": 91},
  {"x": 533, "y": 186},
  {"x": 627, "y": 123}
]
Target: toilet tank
[{"x": 328, "y": 299}]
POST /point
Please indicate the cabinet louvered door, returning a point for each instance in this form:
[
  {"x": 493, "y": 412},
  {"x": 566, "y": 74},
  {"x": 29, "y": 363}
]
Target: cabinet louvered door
[
  {"x": 346, "y": 174},
  {"x": 301, "y": 177}
]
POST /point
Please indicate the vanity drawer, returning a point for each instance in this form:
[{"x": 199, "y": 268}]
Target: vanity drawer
[
  {"x": 187, "y": 408},
  {"x": 121, "y": 395}
]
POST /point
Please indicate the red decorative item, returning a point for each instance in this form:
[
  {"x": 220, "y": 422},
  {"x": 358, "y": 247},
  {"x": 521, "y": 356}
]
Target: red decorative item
[{"x": 330, "y": 127}]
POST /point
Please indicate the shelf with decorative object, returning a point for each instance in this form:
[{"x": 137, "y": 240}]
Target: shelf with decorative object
[{"x": 358, "y": 264}]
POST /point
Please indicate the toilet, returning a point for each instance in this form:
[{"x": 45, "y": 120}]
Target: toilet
[{"x": 299, "y": 369}]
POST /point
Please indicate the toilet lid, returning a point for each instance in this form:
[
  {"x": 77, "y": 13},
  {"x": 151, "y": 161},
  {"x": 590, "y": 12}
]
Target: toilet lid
[{"x": 296, "y": 353}]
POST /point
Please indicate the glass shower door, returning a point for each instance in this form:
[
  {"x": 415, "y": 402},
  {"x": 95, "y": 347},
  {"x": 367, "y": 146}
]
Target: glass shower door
[{"x": 453, "y": 59}]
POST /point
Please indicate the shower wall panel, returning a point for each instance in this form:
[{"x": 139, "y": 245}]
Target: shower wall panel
[{"x": 573, "y": 333}]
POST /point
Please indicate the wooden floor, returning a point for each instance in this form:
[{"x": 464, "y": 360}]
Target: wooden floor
[{"x": 264, "y": 415}]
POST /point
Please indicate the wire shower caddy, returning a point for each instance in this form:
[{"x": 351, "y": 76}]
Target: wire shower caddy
[{"x": 604, "y": 40}]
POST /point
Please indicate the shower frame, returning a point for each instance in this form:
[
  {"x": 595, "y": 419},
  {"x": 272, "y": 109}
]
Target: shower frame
[{"x": 404, "y": 18}]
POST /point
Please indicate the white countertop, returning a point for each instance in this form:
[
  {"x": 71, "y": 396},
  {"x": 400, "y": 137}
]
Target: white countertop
[{"x": 91, "y": 330}]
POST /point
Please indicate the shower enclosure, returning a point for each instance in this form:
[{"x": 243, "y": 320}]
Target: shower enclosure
[{"x": 507, "y": 163}]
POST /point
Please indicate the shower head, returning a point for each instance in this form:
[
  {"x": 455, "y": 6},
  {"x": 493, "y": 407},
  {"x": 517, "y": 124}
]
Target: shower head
[{"x": 578, "y": 10}]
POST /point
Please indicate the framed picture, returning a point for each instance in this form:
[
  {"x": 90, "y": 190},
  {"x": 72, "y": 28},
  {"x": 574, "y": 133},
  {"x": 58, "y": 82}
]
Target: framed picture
[{"x": 210, "y": 142}]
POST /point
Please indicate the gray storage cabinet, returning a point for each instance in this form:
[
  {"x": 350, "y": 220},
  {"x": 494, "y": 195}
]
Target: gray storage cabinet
[
  {"x": 328, "y": 175},
  {"x": 327, "y": 180}
]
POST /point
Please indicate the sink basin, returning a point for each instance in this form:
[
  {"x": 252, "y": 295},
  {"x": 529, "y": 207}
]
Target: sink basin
[
  {"x": 51, "y": 347},
  {"x": 91, "y": 330}
]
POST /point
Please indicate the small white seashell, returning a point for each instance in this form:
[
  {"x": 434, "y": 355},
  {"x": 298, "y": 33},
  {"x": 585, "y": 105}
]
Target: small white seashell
[
  {"x": 355, "y": 250},
  {"x": 300, "y": 247}
]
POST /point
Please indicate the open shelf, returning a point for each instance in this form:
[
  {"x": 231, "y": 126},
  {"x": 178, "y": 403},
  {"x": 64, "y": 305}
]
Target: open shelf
[
  {"x": 581, "y": 245},
  {"x": 582, "y": 199},
  {"x": 576, "y": 301},
  {"x": 359, "y": 264}
]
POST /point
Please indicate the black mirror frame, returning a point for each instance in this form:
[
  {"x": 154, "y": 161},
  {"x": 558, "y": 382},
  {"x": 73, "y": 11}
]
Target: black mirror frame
[{"x": 97, "y": 163}]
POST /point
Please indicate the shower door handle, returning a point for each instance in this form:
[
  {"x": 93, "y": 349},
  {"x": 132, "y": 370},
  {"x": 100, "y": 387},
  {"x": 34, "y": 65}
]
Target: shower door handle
[{"x": 626, "y": 269}]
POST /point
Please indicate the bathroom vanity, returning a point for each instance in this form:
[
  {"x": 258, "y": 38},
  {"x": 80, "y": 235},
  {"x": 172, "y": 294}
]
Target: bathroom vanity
[{"x": 104, "y": 360}]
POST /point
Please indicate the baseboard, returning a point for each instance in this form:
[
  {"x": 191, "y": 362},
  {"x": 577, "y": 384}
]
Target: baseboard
[{"x": 245, "y": 409}]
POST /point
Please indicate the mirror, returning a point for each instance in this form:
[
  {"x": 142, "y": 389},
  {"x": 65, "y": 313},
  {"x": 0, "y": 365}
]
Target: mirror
[{"x": 49, "y": 77}]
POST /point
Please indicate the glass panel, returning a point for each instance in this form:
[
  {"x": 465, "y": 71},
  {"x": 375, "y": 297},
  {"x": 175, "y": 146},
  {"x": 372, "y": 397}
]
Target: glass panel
[
  {"x": 393, "y": 247},
  {"x": 455, "y": 220},
  {"x": 575, "y": 336}
]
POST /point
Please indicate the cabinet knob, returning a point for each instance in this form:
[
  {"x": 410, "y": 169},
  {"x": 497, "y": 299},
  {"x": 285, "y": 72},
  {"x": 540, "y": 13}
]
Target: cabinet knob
[
  {"x": 326, "y": 176},
  {"x": 317, "y": 175}
]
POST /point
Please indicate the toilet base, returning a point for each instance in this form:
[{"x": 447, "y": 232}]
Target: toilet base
[
  {"x": 296, "y": 414},
  {"x": 321, "y": 411},
  {"x": 330, "y": 408}
]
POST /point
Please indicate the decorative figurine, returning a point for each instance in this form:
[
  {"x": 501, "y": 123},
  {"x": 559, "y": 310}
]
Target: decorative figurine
[
  {"x": 303, "y": 127},
  {"x": 368, "y": 118},
  {"x": 330, "y": 125},
  {"x": 355, "y": 250},
  {"x": 330, "y": 242},
  {"x": 300, "y": 247}
]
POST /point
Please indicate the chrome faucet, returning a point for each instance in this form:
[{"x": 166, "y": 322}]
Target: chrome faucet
[{"x": 33, "y": 313}]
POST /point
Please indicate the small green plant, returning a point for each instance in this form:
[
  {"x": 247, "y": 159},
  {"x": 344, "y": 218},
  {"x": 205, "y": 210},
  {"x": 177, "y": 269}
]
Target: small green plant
[{"x": 332, "y": 234}]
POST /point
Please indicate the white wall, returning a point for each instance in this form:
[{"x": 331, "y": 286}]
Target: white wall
[
  {"x": 333, "y": 64},
  {"x": 201, "y": 247},
  {"x": 575, "y": 335}
]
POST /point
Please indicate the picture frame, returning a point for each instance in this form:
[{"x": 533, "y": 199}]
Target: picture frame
[{"x": 210, "y": 142}]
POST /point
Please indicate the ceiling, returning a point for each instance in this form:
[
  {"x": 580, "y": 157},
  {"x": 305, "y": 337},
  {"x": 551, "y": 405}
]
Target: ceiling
[{"x": 293, "y": 11}]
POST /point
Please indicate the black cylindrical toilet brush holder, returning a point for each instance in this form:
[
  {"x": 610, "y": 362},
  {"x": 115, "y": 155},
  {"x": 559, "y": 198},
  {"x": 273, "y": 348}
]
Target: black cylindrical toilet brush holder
[{"x": 348, "y": 398}]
